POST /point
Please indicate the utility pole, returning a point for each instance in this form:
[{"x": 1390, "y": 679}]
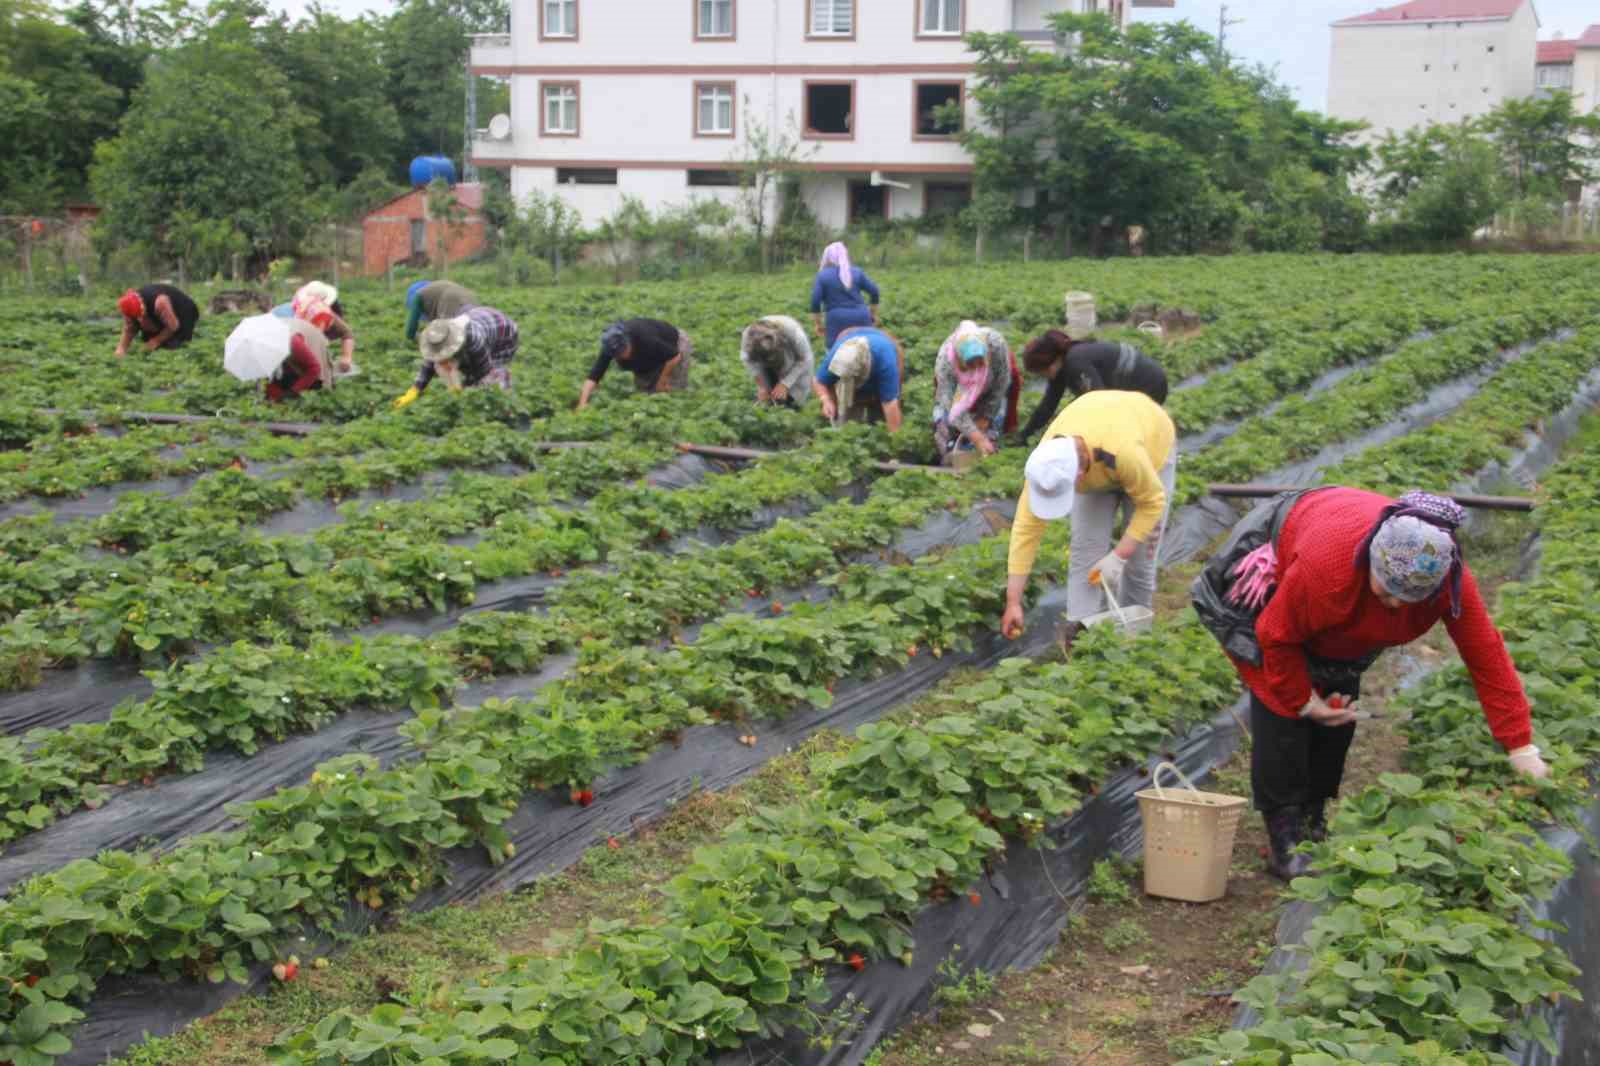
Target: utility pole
[{"x": 1223, "y": 22}]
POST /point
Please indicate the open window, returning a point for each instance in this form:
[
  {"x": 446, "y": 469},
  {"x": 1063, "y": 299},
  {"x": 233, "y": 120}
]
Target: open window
[
  {"x": 932, "y": 101},
  {"x": 713, "y": 179},
  {"x": 830, "y": 109},
  {"x": 868, "y": 201},
  {"x": 586, "y": 175},
  {"x": 943, "y": 199}
]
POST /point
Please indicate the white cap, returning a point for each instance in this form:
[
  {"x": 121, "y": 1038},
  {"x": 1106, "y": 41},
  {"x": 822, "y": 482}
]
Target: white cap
[{"x": 1052, "y": 476}]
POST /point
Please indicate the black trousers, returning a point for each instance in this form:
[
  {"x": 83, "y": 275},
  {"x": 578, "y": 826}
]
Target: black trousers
[{"x": 1293, "y": 761}]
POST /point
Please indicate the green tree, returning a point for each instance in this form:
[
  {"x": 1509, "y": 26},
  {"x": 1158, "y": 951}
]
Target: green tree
[
  {"x": 765, "y": 157},
  {"x": 1456, "y": 196},
  {"x": 210, "y": 136},
  {"x": 425, "y": 52},
  {"x": 1546, "y": 144}
]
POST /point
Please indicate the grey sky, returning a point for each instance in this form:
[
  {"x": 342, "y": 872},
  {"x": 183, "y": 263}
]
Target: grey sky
[{"x": 1291, "y": 35}]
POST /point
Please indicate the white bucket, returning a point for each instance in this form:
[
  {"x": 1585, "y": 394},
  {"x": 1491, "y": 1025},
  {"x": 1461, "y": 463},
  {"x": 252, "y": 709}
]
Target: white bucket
[{"x": 1080, "y": 314}]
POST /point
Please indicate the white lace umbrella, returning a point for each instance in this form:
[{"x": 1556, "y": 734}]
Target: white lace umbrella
[{"x": 256, "y": 347}]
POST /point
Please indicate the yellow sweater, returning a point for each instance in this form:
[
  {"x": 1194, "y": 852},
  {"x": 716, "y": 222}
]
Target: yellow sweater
[{"x": 1130, "y": 438}]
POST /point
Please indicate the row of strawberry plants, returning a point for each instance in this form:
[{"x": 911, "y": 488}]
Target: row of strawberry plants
[
  {"x": 1371, "y": 397},
  {"x": 1424, "y": 950},
  {"x": 238, "y": 696},
  {"x": 906, "y": 815},
  {"x": 289, "y": 588},
  {"x": 206, "y": 908}
]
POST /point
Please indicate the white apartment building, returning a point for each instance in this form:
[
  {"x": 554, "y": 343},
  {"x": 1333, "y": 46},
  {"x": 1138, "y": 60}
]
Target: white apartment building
[
  {"x": 1431, "y": 61},
  {"x": 1573, "y": 66},
  {"x": 652, "y": 98}
]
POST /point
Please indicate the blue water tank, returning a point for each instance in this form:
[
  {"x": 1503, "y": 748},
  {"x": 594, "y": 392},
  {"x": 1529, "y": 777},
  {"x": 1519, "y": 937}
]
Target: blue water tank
[{"x": 425, "y": 168}]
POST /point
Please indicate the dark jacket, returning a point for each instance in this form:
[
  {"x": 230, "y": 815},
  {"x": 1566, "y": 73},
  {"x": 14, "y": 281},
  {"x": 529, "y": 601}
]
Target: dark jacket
[{"x": 1096, "y": 365}]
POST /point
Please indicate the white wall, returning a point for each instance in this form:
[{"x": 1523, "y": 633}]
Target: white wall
[
  {"x": 1586, "y": 79},
  {"x": 1398, "y": 75}
]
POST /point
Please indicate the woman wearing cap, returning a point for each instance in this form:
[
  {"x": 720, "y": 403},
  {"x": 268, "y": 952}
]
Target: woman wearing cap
[
  {"x": 776, "y": 352},
  {"x": 836, "y": 301},
  {"x": 1109, "y": 451},
  {"x": 306, "y": 367},
  {"x": 1349, "y": 574},
  {"x": 974, "y": 391},
  {"x": 317, "y": 302},
  {"x": 474, "y": 348},
  {"x": 429, "y": 301},
  {"x": 859, "y": 379},
  {"x": 1084, "y": 366},
  {"x": 658, "y": 353},
  {"x": 162, "y": 315}
]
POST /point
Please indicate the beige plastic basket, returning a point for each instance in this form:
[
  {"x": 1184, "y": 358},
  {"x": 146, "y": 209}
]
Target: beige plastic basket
[{"x": 1188, "y": 838}]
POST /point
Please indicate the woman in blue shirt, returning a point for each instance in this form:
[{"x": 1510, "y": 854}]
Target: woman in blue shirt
[
  {"x": 860, "y": 379},
  {"x": 837, "y": 292}
]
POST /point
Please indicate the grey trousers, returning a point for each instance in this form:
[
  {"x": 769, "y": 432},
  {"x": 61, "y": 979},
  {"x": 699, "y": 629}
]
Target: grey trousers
[{"x": 1094, "y": 520}]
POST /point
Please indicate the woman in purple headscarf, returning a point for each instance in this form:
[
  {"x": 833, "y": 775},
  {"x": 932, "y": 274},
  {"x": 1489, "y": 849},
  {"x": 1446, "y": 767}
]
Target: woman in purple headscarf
[
  {"x": 1349, "y": 574},
  {"x": 836, "y": 295}
]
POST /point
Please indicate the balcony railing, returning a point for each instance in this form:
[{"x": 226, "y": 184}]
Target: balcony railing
[{"x": 491, "y": 50}]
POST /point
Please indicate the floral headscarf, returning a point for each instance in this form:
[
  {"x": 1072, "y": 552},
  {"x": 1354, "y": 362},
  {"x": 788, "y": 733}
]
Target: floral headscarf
[
  {"x": 837, "y": 255},
  {"x": 1412, "y": 549},
  {"x": 851, "y": 364},
  {"x": 970, "y": 383}
]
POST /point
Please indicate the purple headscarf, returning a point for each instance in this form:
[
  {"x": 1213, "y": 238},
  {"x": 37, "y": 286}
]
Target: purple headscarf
[
  {"x": 1413, "y": 539},
  {"x": 836, "y": 254}
]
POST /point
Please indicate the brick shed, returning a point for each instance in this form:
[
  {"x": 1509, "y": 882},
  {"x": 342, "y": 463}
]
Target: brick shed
[{"x": 399, "y": 230}]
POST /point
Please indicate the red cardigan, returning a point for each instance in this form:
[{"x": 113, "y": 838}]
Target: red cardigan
[
  {"x": 301, "y": 371},
  {"x": 1322, "y": 604}
]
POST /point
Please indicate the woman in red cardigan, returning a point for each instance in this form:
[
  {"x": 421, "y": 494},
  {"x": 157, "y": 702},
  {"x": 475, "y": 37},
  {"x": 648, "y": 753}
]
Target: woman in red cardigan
[{"x": 1355, "y": 573}]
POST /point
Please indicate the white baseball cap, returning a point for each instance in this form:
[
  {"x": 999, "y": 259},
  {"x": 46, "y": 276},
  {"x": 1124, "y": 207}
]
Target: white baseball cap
[{"x": 1052, "y": 477}]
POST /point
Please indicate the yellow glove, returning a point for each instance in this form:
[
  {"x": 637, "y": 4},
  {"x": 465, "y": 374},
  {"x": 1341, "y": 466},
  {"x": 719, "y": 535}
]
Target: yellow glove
[{"x": 407, "y": 398}]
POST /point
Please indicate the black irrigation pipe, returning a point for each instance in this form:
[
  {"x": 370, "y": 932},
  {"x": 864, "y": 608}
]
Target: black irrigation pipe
[{"x": 718, "y": 451}]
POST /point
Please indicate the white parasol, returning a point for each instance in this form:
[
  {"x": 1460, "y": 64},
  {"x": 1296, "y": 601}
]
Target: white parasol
[{"x": 256, "y": 347}]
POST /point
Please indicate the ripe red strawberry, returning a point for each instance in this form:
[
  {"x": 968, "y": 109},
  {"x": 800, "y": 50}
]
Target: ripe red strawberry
[
  {"x": 856, "y": 962},
  {"x": 281, "y": 971},
  {"x": 291, "y": 970},
  {"x": 613, "y": 843},
  {"x": 975, "y": 898},
  {"x": 582, "y": 797},
  {"x": 32, "y": 979},
  {"x": 777, "y": 608}
]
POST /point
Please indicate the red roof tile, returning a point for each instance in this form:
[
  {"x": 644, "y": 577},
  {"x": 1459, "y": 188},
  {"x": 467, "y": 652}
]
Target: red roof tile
[
  {"x": 1438, "y": 11},
  {"x": 1557, "y": 51},
  {"x": 1591, "y": 37}
]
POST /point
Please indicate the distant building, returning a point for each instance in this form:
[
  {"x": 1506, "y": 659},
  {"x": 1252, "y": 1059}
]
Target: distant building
[
  {"x": 1431, "y": 61},
  {"x": 613, "y": 98},
  {"x": 1572, "y": 66},
  {"x": 401, "y": 231}
]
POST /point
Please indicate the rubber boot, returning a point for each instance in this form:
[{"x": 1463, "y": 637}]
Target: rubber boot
[
  {"x": 1317, "y": 822},
  {"x": 1285, "y": 829},
  {"x": 1066, "y": 634}
]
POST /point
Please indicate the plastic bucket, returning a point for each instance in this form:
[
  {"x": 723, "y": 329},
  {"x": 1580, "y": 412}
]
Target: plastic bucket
[
  {"x": 1188, "y": 838},
  {"x": 1080, "y": 314}
]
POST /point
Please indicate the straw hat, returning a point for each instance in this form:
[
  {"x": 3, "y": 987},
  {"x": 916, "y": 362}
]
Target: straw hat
[{"x": 443, "y": 339}]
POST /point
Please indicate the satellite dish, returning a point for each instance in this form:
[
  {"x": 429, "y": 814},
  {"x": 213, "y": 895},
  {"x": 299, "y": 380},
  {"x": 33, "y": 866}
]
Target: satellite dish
[{"x": 500, "y": 127}]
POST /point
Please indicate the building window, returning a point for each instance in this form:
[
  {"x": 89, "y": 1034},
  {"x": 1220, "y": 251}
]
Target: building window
[
  {"x": 713, "y": 178},
  {"x": 929, "y": 98},
  {"x": 713, "y": 19},
  {"x": 586, "y": 175},
  {"x": 868, "y": 201},
  {"x": 713, "y": 109},
  {"x": 832, "y": 18},
  {"x": 830, "y": 109},
  {"x": 559, "y": 20},
  {"x": 1555, "y": 77},
  {"x": 945, "y": 198},
  {"x": 939, "y": 18},
  {"x": 559, "y": 117}
]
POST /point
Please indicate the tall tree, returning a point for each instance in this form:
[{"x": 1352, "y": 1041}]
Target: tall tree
[
  {"x": 1546, "y": 143},
  {"x": 425, "y": 52},
  {"x": 211, "y": 136}
]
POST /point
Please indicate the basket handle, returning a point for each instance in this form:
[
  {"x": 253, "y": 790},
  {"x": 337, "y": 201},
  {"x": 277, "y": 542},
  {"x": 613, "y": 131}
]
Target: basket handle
[{"x": 1155, "y": 778}]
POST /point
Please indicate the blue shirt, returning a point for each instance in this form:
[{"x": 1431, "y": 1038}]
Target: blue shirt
[
  {"x": 828, "y": 293},
  {"x": 883, "y": 379}
]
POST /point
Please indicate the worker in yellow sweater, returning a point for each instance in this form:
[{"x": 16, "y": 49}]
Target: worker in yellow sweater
[{"x": 1109, "y": 451}]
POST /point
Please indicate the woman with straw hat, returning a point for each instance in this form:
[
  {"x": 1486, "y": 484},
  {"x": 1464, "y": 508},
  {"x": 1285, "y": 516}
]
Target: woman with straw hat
[
  {"x": 1108, "y": 452},
  {"x": 474, "y": 348}
]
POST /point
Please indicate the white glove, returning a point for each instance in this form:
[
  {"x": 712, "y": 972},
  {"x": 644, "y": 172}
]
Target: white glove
[
  {"x": 1337, "y": 710},
  {"x": 1107, "y": 573},
  {"x": 1526, "y": 760}
]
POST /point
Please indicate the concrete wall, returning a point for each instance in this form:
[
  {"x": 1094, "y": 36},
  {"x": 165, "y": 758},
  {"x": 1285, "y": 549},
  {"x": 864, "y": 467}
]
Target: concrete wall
[
  {"x": 1398, "y": 75},
  {"x": 1586, "y": 79}
]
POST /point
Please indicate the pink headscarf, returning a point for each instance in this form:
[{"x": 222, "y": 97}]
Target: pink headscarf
[
  {"x": 970, "y": 382},
  {"x": 836, "y": 254}
]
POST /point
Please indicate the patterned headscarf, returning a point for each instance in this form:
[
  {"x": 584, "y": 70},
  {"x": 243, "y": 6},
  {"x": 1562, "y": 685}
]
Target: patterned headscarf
[
  {"x": 969, "y": 383},
  {"x": 613, "y": 340},
  {"x": 1412, "y": 549},
  {"x": 837, "y": 255},
  {"x": 852, "y": 365}
]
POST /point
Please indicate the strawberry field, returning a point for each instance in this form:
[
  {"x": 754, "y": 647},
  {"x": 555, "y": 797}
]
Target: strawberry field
[{"x": 260, "y": 693}]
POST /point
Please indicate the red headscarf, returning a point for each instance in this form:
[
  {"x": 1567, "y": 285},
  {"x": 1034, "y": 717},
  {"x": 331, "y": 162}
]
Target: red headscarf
[{"x": 131, "y": 306}]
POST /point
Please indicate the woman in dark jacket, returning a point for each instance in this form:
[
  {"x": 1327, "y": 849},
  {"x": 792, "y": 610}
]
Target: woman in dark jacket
[
  {"x": 162, "y": 315},
  {"x": 1084, "y": 366},
  {"x": 836, "y": 294}
]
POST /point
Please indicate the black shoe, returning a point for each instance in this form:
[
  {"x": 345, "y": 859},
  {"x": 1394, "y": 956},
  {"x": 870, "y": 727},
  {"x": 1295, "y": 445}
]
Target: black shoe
[
  {"x": 1317, "y": 822},
  {"x": 1285, "y": 829}
]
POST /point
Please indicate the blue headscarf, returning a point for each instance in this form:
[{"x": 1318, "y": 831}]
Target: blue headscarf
[{"x": 416, "y": 287}]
